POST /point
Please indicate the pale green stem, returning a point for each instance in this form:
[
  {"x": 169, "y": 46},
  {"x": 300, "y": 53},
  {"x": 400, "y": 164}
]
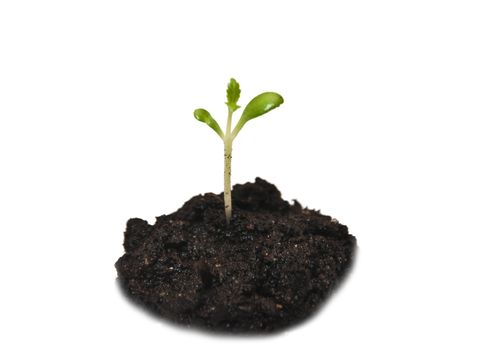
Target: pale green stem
[
  {"x": 227, "y": 168},
  {"x": 227, "y": 173}
]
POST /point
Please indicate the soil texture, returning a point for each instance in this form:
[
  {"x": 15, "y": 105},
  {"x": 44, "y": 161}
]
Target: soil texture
[{"x": 270, "y": 268}]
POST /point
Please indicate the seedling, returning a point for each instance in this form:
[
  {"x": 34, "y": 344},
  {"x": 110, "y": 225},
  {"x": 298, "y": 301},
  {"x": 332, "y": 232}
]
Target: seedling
[{"x": 259, "y": 105}]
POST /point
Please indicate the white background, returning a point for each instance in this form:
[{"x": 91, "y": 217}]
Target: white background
[{"x": 383, "y": 127}]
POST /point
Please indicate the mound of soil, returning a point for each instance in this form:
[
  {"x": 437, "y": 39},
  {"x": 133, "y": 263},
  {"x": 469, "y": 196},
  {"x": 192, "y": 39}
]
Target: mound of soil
[{"x": 270, "y": 268}]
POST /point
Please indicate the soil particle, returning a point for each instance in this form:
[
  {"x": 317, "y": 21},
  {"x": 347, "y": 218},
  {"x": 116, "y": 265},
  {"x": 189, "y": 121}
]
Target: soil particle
[{"x": 270, "y": 268}]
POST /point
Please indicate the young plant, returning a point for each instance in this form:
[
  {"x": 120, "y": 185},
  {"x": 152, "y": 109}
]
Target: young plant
[{"x": 259, "y": 105}]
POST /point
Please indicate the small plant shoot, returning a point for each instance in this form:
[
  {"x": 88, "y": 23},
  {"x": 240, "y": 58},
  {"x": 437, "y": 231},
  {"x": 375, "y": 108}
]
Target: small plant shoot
[{"x": 259, "y": 105}]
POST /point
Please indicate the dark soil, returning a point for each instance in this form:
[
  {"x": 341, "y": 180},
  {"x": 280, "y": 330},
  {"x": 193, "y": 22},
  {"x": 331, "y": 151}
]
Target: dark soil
[{"x": 270, "y": 268}]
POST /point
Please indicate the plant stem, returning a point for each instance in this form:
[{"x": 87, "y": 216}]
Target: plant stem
[
  {"x": 227, "y": 173},
  {"x": 227, "y": 168}
]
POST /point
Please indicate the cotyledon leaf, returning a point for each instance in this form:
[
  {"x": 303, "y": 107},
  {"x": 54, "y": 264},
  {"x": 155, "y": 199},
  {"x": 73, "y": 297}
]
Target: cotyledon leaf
[
  {"x": 258, "y": 106},
  {"x": 205, "y": 117}
]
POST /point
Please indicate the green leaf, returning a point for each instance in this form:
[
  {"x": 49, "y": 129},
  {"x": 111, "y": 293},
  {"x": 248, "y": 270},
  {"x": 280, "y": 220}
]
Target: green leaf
[
  {"x": 205, "y": 117},
  {"x": 258, "y": 106},
  {"x": 233, "y": 94}
]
